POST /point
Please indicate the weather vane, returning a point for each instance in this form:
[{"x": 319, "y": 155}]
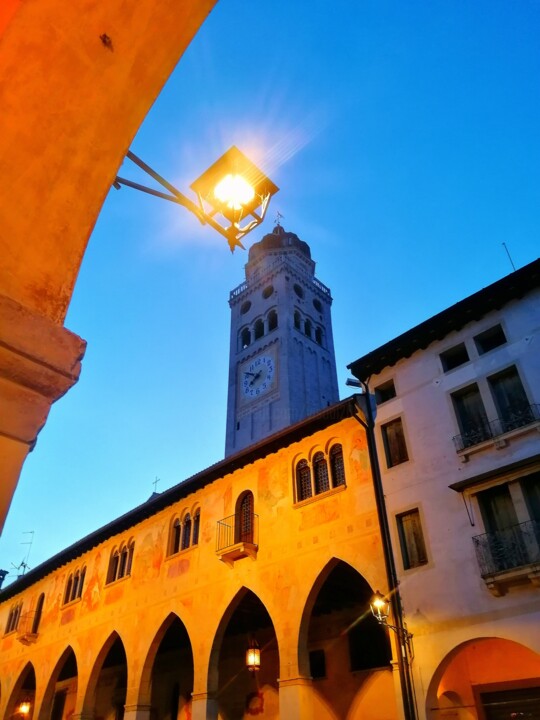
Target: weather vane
[{"x": 278, "y": 218}]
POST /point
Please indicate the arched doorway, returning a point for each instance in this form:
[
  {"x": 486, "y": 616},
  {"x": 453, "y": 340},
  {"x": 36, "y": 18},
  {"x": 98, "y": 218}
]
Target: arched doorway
[
  {"x": 61, "y": 692},
  {"x": 22, "y": 701},
  {"x": 106, "y": 691},
  {"x": 344, "y": 649},
  {"x": 242, "y": 693},
  {"x": 171, "y": 675},
  {"x": 486, "y": 679}
]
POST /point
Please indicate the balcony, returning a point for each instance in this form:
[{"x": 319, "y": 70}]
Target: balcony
[
  {"x": 510, "y": 556},
  {"x": 25, "y": 628},
  {"x": 492, "y": 431},
  {"x": 237, "y": 537}
]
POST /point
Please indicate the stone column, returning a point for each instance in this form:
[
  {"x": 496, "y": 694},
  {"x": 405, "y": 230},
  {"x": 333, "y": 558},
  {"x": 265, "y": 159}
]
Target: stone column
[
  {"x": 39, "y": 362},
  {"x": 204, "y": 706},
  {"x": 295, "y": 698}
]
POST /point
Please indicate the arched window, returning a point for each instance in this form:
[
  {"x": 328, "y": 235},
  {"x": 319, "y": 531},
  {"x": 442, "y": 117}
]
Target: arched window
[
  {"x": 245, "y": 338},
  {"x": 75, "y": 588},
  {"x": 69, "y": 585},
  {"x": 186, "y": 532},
  {"x": 318, "y": 335},
  {"x": 81, "y": 581},
  {"x": 303, "y": 481},
  {"x": 196, "y": 527},
  {"x": 13, "y": 618},
  {"x": 37, "y": 614},
  {"x": 258, "y": 329},
  {"x": 320, "y": 470},
  {"x": 272, "y": 320},
  {"x": 245, "y": 519},
  {"x": 337, "y": 468},
  {"x": 176, "y": 530},
  {"x": 123, "y": 562},
  {"x": 131, "y": 550},
  {"x": 307, "y": 328},
  {"x": 113, "y": 567},
  {"x": 297, "y": 320}
]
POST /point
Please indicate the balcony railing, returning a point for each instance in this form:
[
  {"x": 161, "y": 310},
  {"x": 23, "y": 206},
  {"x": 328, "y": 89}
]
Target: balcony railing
[
  {"x": 491, "y": 429},
  {"x": 508, "y": 549},
  {"x": 234, "y": 530}
]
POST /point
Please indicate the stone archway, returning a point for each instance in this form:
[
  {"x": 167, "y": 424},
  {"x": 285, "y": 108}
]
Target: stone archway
[
  {"x": 481, "y": 673},
  {"x": 343, "y": 648},
  {"x": 73, "y": 95},
  {"x": 60, "y": 696},
  {"x": 106, "y": 691},
  {"x": 24, "y": 691},
  {"x": 238, "y": 692},
  {"x": 167, "y": 679}
]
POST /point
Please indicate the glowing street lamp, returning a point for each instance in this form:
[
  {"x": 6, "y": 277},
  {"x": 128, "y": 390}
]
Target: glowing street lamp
[
  {"x": 24, "y": 708},
  {"x": 233, "y": 194},
  {"x": 380, "y": 607}
]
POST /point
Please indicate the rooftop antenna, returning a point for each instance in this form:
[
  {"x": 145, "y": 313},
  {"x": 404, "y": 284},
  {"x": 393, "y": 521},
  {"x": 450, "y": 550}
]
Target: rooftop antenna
[
  {"x": 23, "y": 565},
  {"x": 509, "y": 257}
]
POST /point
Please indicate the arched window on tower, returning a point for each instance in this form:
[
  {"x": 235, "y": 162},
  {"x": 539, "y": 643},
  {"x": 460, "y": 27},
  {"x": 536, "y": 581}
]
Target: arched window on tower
[
  {"x": 258, "y": 330},
  {"x": 337, "y": 468},
  {"x": 297, "y": 320},
  {"x": 244, "y": 518},
  {"x": 196, "y": 527},
  {"x": 272, "y": 320},
  {"x": 186, "y": 532},
  {"x": 320, "y": 470},
  {"x": 245, "y": 338},
  {"x": 318, "y": 335},
  {"x": 307, "y": 328},
  {"x": 303, "y": 481}
]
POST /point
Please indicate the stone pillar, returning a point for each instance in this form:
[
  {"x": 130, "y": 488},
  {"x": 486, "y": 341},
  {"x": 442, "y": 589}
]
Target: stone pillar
[
  {"x": 296, "y": 698},
  {"x": 39, "y": 362},
  {"x": 204, "y": 706},
  {"x": 137, "y": 712}
]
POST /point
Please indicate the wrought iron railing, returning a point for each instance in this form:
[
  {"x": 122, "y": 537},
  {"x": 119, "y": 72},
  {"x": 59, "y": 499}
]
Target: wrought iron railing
[
  {"x": 489, "y": 429},
  {"x": 508, "y": 549},
  {"x": 235, "y": 529}
]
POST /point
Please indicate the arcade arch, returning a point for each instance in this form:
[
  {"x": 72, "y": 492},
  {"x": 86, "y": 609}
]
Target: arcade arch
[
  {"x": 479, "y": 675},
  {"x": 105, "y": 693},
  {"x": 60, "y": 695},
  {"x": 24, "y": 690}
]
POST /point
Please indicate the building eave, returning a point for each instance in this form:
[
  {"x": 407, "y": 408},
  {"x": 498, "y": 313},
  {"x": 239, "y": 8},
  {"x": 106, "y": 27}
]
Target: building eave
[
  {"x": 499, "y": 472},
  {"x": 493, "y": 297}
]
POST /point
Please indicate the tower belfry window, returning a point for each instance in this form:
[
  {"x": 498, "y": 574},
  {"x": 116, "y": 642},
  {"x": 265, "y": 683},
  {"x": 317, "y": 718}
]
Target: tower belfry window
[
  {"x": 258, "y": 329},
  {"x": 245, "y": 339},
  {"x": 297, "y": 320},
  {"x": 307, "y": 328},
  {"x": 272, "y": 320}
]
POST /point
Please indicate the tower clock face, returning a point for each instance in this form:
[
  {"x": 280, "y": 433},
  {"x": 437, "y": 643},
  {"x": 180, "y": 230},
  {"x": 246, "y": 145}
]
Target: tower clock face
[{"x": 257, "y": 377}]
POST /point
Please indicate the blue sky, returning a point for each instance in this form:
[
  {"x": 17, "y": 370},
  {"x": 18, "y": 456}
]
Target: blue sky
[{"x": 404, "y": 139}]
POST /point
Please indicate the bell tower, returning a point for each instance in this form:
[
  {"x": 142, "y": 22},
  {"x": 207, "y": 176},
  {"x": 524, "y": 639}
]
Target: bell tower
[{"x": 282, "y": 366}]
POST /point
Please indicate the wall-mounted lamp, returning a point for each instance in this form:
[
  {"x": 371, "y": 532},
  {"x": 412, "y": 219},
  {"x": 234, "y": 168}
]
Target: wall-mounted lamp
[
  {"x": 253, "y": 656},
  {"x": 233, "y": 194},
  {"x": 380, "y": 608}
]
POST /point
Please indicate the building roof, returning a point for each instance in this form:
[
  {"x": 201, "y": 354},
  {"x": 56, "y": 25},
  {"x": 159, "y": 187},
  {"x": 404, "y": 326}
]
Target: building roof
[
  {"x": 474, "y": 307},
  {"x": 158, "y": 501},
  {"x": 278, "y": 238}
]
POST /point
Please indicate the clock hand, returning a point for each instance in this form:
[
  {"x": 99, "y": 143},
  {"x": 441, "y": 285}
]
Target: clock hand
[
  {"x": 255, "y": 378},
  {"x": 248, "y": 373}
]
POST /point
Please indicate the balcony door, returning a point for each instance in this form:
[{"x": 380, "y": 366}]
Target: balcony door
[
  {"x": 244, "y": 520},
  {"x": 510, "y": 399},
  {"x": 503, "y": 532},
  {"x": 471, "y": 415}
]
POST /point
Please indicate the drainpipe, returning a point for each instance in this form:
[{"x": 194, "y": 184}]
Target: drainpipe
[{"x": 405, "y": 673}]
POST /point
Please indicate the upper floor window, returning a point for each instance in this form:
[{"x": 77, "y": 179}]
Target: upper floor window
[
  {"x": 196, "y": 527},
  {"x": 307, "y": 328},
  {"x": 244, "y": 524},
  {"x": 37, "y": 614},
  {"x": 121, "y": 562},
  {"x": 74, "y": 585},
  {"x": 258, "y": 330},
  {"x": 268, "y": 291},
  {"x": 176, "y": 534},
  {"x": 318, "y": 335},
  {"x": 471, "y": 415},
  {"x": 13, "y": 618},
  {"x": 318, "y": 478},
  {"x": 385, "y": 391},
  {"x": 245, "y": 338},
  {"x": 297, "y": 320},
  {"x": 512, "y": 404},
  {"x": 454, "y": 357},
  {"x": 411, "y": 539},
  {"x": 395, "y": 447},
  {"x": 186, "y": 532},
  {"x": 490, "y": 339}
]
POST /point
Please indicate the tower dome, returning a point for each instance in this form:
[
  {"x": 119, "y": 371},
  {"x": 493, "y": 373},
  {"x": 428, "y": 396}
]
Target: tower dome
[{"x": 278, "y": 238}]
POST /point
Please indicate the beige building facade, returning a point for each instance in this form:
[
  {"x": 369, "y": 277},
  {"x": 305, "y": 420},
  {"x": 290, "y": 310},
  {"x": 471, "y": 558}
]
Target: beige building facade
[{"x": 456, "y": 402}]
